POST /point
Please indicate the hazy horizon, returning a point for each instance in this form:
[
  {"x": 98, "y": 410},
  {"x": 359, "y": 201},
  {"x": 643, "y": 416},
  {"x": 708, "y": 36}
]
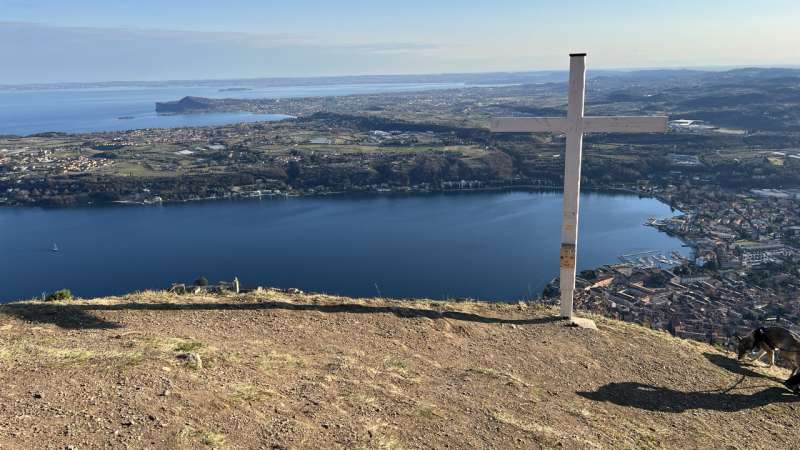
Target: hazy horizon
[
  {"x": 88, "y": 41},
  {"x": 590, "y": 73}
]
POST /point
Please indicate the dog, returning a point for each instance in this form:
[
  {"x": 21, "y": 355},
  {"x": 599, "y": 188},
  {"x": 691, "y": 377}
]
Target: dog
[
  {"x": 769, "y": 340},
  {"x": 748, "y": 344}
]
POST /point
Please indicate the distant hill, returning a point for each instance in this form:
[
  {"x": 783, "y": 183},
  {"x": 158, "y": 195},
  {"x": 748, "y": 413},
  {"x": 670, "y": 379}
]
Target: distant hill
[
  {"x": 277, "y": 370},
  {"x": 186, "y": 104}
]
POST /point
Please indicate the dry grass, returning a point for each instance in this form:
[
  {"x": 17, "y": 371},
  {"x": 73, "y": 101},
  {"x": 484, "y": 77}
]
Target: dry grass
[
  {"x": 50, "y": 352},
  {"x": 187, "y": 346},
  {"x": 499, "y": 374},
  {"x": 249, "y": 392},
  {"x": 193, "y": 436}
]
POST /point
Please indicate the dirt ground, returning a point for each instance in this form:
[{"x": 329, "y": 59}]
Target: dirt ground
[{"x": 278, "y": 370}]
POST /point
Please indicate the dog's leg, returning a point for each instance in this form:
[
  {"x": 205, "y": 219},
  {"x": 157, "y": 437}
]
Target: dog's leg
[
  {"x": 759, "y": 356},
  {"x": 772, "y": 358}
]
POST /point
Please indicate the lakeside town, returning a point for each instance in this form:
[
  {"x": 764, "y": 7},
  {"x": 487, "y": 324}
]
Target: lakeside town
[{"x": 743, "y": 273}]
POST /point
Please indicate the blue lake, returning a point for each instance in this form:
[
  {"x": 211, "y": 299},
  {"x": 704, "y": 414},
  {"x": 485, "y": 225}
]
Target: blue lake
[
  {"x": 498, "y": 245},
  {"x": 24, "y": 112}
]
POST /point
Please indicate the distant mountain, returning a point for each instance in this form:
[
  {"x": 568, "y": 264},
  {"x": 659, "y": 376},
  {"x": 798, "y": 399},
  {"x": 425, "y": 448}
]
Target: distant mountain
[{"x": 186, "y": 104}]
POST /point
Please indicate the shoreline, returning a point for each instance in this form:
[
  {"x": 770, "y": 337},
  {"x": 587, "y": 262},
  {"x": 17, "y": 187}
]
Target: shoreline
[{"x": 380, "y": 192}]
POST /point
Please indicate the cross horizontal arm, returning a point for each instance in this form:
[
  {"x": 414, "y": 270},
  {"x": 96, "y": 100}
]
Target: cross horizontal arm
[
  {"x": 625, "y": 124},
  {"x": 528, "y": 125}
]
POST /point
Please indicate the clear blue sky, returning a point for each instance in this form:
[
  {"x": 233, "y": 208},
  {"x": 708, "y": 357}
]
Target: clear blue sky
[{"x": 94, "y": 40}]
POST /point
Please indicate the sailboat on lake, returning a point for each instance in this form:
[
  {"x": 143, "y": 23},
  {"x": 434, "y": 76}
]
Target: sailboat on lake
[{"x": 55, "y": 247}]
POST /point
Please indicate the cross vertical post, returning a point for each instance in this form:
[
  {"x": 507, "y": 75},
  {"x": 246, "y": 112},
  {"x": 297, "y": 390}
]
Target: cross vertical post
[
  {"x": 574, "y": 126},
  {"x": 572, "y": 180}
]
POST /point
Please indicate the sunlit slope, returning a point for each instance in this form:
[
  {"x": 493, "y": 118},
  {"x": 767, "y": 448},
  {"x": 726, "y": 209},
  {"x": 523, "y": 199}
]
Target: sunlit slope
[{"x": 272, "y": 369}]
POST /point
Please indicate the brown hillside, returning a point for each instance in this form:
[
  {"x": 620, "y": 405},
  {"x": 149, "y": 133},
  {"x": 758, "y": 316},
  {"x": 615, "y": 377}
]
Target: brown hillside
[{"x": 312, "y": 371}]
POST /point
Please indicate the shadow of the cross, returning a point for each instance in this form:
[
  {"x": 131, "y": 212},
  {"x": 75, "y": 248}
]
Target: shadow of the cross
[
  {"x": 661, "y": 399},
  {"x": 79, "y": 316}
]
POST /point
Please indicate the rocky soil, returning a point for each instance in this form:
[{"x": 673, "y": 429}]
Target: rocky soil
[{"x": 277, "y": 370}]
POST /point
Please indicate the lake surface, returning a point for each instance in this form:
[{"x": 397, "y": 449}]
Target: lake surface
[
  {"x": 24, "y": 112},
  {"x": 498, "y": 245}
]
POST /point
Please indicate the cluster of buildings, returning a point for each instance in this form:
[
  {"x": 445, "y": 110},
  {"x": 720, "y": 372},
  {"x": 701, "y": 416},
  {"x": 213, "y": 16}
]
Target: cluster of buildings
[
  {"x": 745, "y": 272},
  {"x": 735, "y": 231},
  {"x": 705, "y": 307},
  {"x": 700, "y": 127},
  {"x": 81, "y": 163},
  {"x": 462, "y": 184},
  {"x": 680, "y": 160},
  {"x": 19, "y": 165},
  {"x": 398, "y": 138},
  {"x": 27, "y": 160}
]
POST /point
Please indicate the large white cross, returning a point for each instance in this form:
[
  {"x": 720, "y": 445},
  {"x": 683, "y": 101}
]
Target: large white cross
[{"x": 574, "y": 125}]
